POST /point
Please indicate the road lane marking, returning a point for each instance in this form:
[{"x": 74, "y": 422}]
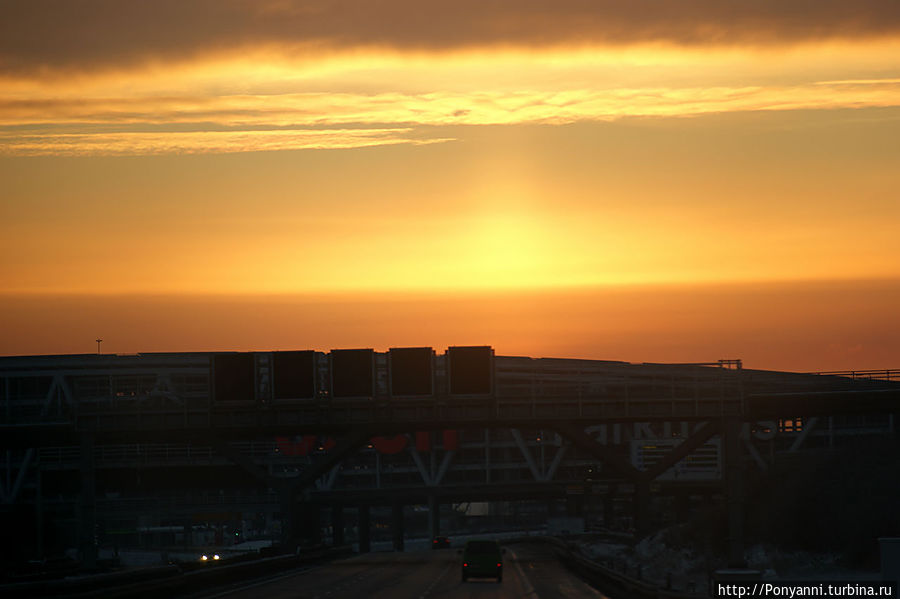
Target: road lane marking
[
  {"x": 436, "y": 580},
  {"x": 529, "y": 590},
  {"x": 262, "y": 582}
]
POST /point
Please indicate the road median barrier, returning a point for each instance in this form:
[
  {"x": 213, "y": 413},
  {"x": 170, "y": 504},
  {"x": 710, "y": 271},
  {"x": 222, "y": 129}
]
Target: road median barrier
[
  {"x": 616, "y": 584},
  {"x": 171, "y": 580}
]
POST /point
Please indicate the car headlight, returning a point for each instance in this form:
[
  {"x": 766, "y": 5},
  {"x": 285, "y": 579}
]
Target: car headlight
[{"x": 203, "y": 558}]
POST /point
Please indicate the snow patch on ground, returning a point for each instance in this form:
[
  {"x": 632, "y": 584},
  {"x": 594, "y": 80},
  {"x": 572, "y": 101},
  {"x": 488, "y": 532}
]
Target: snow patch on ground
[{"x": 660, "y": 560}]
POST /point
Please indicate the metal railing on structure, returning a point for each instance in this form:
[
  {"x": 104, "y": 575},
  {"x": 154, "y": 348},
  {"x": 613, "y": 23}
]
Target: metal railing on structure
[
  {"x": 163, "y": 453},
  {"x": 549, "y": 387},
  {"x": 886, "y": 374}
]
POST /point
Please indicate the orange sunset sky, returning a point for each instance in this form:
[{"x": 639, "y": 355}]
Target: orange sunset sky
[{"x": 681, "y": 180}]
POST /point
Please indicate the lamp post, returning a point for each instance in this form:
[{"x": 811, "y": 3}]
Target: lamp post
[{"x": 99, "y": 341}]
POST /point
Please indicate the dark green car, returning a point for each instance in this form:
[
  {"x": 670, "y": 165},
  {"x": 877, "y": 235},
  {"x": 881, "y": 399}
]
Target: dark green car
[{"x": 482, "y": 559}]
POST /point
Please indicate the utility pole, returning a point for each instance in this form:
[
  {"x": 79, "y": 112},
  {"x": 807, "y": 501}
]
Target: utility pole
[{"x": 99, "y": 341}]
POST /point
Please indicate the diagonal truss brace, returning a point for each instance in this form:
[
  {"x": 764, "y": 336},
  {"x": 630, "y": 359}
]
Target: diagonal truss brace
[
  {"x": 327, "y": 465},
  {"x": 583, "y": 441},
  {"x": 681, "y": 451},
  {"x": 536, "y": 472},
  {"x": 420, "y": 464},
  {"x": 10, "y": 495},
  {"x": 429, "y": 477},
  {"x": 57, "y": 394},
  {"x": 554, "y": 465},
  {"x": 326, "y": 483},
  {"x": 529, "y": 459},
  {"x": 334, "y": 457},
  {"x": 808, "y": 425},
  {"x": 445, "y": 465}
]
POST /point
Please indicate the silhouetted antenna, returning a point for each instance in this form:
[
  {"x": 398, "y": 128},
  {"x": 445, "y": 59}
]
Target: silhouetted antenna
[{"x": 99, "y": 341}]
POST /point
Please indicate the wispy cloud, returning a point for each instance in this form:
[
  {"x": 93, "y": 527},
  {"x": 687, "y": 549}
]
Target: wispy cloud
[
  {"x": 105, "y": 77},
  {"x": 195, "y": 142},
  {"x": 488, "y": 107},
  {"x": 239, "y": 123},
  {"x": 885, "y": 81}
]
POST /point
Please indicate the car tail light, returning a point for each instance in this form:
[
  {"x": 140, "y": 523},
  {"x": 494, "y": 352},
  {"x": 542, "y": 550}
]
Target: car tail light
[
  {"x": 499, "y": 565},
  {"x": 465, "y": 565}
]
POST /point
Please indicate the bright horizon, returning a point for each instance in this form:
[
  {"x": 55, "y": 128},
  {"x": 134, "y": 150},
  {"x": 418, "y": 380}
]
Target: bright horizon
[{"x": 811, "y": 326}]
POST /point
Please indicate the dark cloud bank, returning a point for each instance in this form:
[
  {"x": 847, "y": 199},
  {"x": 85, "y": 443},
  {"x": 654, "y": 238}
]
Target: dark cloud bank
[{"x": 49, "y": 35}]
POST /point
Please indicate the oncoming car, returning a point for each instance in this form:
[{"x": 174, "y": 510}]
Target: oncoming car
[
  {"x": 440, "y": 543},
  {"x": 482, "y": 559}
]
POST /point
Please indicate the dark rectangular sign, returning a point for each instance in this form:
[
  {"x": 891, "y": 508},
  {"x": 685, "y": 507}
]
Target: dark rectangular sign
[
  {"x": 294, "y": 374},
  {"x": 412, "y": 371},
  {"x": 234, "y": 377},
  {"x": 352, "y": 372},
  {"x": 470, "y": 370}
]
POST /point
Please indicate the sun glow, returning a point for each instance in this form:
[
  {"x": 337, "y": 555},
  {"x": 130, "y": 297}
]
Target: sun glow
[{"x": 283, "y": 167}]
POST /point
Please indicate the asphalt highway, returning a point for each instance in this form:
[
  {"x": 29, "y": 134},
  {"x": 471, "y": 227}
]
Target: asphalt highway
[{"x": 529, "y": 572}]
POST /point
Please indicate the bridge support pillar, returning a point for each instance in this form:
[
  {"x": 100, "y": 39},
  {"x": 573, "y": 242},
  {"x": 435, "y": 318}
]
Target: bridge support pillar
[
  {"x": 187, "y": 529},
  {"x": 87, "y": 517},
  {"x": 39, "y": 509},
  {"x": 365, "y": 544},
  {"x": 609, "y": 507},
  {"x": 642, "y": 507},
  {"x": 337, "y": 525},
  {"x": 575, "y": 506},
  {"x": 734, "y": 490},
  {"x": 434, "y": 516},
  {"x": 397, "y": 525},
  {"x": 683, "y": 506},
  {"x": 312, "y": 524},
  {"x": 292, "y": 521}
]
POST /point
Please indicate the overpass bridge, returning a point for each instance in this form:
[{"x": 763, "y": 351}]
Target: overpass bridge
[{"x": 166, "y": 438}]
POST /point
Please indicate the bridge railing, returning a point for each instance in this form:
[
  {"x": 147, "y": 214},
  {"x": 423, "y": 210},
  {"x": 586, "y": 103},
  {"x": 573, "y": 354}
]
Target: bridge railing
[
  {"x": 648, "y": 381},
  {"x": 887, "y": 374},
  {"x": 164, "y": 453}
]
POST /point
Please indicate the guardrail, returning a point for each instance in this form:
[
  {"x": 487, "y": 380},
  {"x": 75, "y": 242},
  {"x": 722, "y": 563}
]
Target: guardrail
[
  {"x": 617, "y": 585},
  {"x": 887, "y": 374},
  {"x": 153, "y": 453},
  {"x": 172, "y": 580}
]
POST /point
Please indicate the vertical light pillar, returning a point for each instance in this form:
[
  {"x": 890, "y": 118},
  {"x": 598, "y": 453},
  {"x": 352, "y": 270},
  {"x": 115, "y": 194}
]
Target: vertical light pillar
[
  {"x": 87, "y": 505},
  {"x": 734, "y": 490},
  {"x": 397, "y": 525},
  {"x": 434, "y": 516},
  {"x": 365, "y": 544},
  {"x": 337, "y": 525}
]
